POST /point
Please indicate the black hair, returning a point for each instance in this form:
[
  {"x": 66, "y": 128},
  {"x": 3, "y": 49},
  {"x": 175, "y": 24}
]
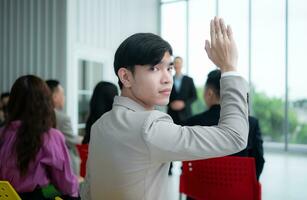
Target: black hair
[
  {"x": 52, "y": 84},
  {"x": 140, "y": 49},
  {"x": 4, "y": 94},
  {"x": 101, "y": 102},
  {"x": 213, "y": 81}
]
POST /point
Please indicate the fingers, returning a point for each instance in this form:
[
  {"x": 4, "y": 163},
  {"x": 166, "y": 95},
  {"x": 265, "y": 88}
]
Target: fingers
[
  {"x": 223, "y": 28},
  {"x": 207, "y": 48},
  {"x": 217, "y": 27},
  {"x": 229, "y": 33},
  {"x": 212, "y": 32}
]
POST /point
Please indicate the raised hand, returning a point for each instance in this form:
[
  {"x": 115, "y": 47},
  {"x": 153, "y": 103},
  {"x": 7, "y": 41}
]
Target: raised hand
[{"x": 223, "y": 50}]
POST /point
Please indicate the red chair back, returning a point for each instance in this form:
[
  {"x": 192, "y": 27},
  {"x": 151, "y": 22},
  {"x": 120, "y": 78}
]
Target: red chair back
[
  {"x": 83, "y": 152},
  {"x": 231, "y": 178}
]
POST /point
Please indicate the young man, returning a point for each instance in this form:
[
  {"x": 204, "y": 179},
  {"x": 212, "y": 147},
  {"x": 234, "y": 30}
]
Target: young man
[{"x": 132, "y": 145}]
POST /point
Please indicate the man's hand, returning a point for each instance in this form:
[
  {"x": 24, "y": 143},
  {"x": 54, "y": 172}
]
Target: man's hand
[
  {"x": 177, "y": 105},
  {"x": 223, "y": 50}
]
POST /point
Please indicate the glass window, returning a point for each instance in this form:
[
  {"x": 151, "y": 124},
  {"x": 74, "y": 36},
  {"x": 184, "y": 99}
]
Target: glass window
[
  {"x": 297, "y": 72},
  {"x": 200, "y": 14},
  {"x": 173, "y": 27},
  {"x": 169, "y": 1},
  {"x": 90, "y": 73},
  {"x": 236, "y": 14},
  {"x": 268, "y": 66}
]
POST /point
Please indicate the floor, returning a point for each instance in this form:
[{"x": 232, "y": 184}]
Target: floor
[{"x": 284, "y": 177}]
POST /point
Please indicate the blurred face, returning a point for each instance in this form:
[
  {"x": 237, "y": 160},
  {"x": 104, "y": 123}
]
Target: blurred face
[
  {"x": 178, "y": 65},
  {"x": 5, "y": 100},
  {"x": 149, "y": 85},
  {"x": 59, "y": 97}
]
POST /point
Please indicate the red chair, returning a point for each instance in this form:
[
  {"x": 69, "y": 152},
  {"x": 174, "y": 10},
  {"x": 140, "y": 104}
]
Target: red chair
[
  {"x": 83, "y": 152},
  {"x": 230, "y": 178}
]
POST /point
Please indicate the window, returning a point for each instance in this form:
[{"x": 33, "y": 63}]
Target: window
[
  {"x": 185, "y": 24},
  {"x": 90, "y": 73}
]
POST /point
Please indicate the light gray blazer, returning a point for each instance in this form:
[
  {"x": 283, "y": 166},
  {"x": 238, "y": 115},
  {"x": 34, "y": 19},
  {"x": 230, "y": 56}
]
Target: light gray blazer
[
  {"x": 130, "y": 148},
  {"x": 63, "y": 123}
]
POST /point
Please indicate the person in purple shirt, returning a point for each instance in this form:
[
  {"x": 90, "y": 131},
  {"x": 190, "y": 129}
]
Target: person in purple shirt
[{"x": 33, "y": 154}]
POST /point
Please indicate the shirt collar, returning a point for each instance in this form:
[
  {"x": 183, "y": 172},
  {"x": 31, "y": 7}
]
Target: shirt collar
[{"x": 127, "y": 103}]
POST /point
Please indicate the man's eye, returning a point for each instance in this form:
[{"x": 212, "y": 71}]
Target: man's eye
[
  {"x": 154, "y": 68},
  {"x": 170, "y": 68}
]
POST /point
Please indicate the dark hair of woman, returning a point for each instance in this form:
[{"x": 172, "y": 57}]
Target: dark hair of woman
[
  {"x": 30, "y": 102},
  {"x": 101, "y": 102}
]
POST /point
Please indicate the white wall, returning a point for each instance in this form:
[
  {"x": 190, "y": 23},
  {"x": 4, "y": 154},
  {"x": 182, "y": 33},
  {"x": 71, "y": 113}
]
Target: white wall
[
  {"x": 32, "y": 40},
  {"x": 48, "y": 38},
  {"x": 95, "y": 28}
]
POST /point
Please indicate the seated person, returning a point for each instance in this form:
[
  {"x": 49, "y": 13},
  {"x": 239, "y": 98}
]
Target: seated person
[
  {"x": 212, "y": 115},
  {"x": 63, "y": 123},
  {"x": 33, "y": 154},
  {"x": 101, "y": 102},
  {"x": 3, "y": 105}
]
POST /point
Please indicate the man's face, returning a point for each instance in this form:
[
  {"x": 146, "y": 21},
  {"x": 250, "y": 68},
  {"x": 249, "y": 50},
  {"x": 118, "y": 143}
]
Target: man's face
[
  {"x": 59, "y": 97},
  {"x": 178, "y": 65},
  {"x": 152, "y": 85}
]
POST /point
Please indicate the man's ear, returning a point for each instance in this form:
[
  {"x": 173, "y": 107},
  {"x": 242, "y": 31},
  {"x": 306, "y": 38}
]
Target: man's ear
[{"x": 125, "y": 77}]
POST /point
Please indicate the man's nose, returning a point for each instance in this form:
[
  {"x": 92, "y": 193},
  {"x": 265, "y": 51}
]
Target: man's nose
[{"x": 167, "y": 77}]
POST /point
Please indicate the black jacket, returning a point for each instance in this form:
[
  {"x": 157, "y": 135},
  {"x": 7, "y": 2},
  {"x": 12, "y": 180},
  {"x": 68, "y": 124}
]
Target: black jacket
[
  {"x": 254, "y": 146},
  {"x": 187, "y": 93}
]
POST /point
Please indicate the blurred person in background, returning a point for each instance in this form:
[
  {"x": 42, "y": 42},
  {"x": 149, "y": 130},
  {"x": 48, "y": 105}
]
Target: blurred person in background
[
  {"x": 211, "y": 117},
  {"x": 63, "y": 123},
  {"x": 3, "y": 107},
  {"x": 100, "y": 103},
  {"x": 33, "y": 154}
]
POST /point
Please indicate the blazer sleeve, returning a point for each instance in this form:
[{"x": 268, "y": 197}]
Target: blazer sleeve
[
  {"x": 65, "y": 127},
  {"x": 168, "y": 142}
]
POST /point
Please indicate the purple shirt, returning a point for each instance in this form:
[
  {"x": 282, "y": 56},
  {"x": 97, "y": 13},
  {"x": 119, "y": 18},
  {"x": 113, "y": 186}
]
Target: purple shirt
[{"x": 51, "y": 165}]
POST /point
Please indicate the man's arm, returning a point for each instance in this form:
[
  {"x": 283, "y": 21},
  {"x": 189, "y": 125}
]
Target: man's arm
[{"x": 167, "y": 141}]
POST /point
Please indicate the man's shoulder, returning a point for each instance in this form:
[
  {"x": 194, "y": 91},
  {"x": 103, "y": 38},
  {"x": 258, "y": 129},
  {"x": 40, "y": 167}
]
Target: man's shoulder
[{"x": 186, "y": 77}]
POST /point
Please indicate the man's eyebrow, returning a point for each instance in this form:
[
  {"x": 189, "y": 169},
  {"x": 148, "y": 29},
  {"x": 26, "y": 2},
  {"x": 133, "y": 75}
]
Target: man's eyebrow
[{"x": 168, "y": 63}]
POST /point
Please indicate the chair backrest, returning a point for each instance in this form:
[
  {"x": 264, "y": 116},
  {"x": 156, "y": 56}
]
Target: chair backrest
[
  {"x": 83, "y": 152},
  {"x": 231, "y": 178},
  {"x": 7, "y": 192}
]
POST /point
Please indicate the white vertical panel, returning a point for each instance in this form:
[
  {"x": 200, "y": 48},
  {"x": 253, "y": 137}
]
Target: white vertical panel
[
  {"x": 11, "y": 40},
  {"x": 18, "y": 37},
  {"x": 39, "y": 66},
  {"x": 54, "y": 38},
  {"x": 5, "y": 45},
  {"x": 26, "y": 15},
  {"x": 47, "y": 36},
  {"x": 31, "y": 38}
]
